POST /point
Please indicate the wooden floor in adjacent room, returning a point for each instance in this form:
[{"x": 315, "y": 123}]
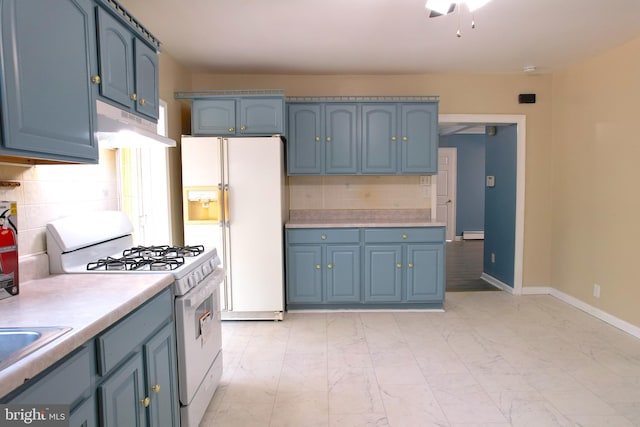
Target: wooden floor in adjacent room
[{"x": 464, "y": 266}]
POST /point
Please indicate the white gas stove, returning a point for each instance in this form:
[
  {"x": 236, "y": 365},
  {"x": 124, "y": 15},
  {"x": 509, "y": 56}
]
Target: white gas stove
[{"x": 102, "y": 242}]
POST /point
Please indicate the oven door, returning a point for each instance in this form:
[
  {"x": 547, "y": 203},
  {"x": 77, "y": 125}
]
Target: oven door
[{"x": 198, "y": 333}]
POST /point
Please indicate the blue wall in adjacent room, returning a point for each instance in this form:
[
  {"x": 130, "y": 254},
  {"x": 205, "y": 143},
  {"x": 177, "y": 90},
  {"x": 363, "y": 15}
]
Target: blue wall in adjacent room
[
  {"x": 500, "y": 204},
  {"x": 470, "y": 180}
]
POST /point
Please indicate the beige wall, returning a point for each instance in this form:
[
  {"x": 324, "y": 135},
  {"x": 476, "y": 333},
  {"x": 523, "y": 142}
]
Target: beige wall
[
  {"x": 595, "y": 151},
  {"x": 459, "y": 94}
]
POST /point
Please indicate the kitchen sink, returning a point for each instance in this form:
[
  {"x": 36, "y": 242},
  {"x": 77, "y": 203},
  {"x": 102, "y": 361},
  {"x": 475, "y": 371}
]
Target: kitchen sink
[{"x": 18, "y": 342}]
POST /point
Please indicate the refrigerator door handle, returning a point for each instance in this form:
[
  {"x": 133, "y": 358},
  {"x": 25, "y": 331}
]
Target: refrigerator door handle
[
  {"x": 227, "y": 218},
  {"x": 220, "y": 205}
]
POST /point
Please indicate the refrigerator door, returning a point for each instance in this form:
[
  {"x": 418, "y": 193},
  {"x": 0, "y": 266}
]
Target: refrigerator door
[{"x": 256, "y": 197}]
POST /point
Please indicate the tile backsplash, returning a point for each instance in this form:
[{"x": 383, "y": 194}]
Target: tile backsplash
[
  {"x": 49, "y": 192},
  {"x": 359, "y": 192}
]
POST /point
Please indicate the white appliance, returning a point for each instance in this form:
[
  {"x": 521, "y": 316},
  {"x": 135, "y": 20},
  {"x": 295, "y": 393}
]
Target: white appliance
[
  {"x": 119, "y": 128},
  {"x": 101, "y": 242},
  {"x": 235, "y": 200}
]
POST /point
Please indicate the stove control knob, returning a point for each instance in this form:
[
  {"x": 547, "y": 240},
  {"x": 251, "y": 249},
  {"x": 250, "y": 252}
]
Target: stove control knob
[
  {"x": 206, "y": 269},
  {"x": 190, "y": 282}
]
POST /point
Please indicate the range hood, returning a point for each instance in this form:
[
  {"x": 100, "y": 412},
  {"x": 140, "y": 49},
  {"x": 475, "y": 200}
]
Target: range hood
[{"x": 120, "y": 129}]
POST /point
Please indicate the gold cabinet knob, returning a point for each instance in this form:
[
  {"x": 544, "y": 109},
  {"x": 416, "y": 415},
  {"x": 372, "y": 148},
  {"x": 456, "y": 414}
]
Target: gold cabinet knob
[
  {"x": 328, "y": 139},
  {"x": 145, "y": 402},
  {"x": 156, "y": 388},
  {"x": 243, "y": 128},
  {"x": 393, "y": 138},
  {"x": 404, "y": 236},
  {"x": 317, "y": 266},
  {"x": 323, "y": 237},
  {"x": 398, "y": 265},
  {"x": 96, "y": 80},
  {"x": 410, "y": 265},
  {"x": 329, "y": 266},
  {"x": 405, "y": 138},
  {"x": 133, "y": 96},
  {"x": 231, "y": 129},
  {"x": 317, "y": 139},
  {"x": 143, "y": 101}
]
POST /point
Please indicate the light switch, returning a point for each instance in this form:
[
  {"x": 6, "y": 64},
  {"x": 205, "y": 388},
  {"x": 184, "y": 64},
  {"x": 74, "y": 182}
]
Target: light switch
[{"x": 491, "y": 181}]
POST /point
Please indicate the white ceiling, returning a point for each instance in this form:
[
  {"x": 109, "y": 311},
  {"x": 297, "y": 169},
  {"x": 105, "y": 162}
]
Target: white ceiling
[{"x": 384, "y": 36}]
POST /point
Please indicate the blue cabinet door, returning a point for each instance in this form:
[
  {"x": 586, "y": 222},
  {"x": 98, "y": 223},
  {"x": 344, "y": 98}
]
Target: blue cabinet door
[
  {"x": 162, "y": 386},
  {"x": 341, "y": 148},
  {"x": 343, "y": 273},
  {"x": 425, "y": 272},
  {"x": 419, "y": 141},
  {"x": 85, "y": 414},
  {"x": 122, "y": 396},
  {"x": 383, "y": 273},
  {"x": 213, "y": 117},
  {"x": 48, "y": 59},
  {"x": 261, "y": 116},
  {"x": 379, "y": 139},
  {"x": 305, "y": 140},
  {"x": 304, "y": 274},
  {"x": 115, "y": 54},
  {"x": 146, "y": 80}
]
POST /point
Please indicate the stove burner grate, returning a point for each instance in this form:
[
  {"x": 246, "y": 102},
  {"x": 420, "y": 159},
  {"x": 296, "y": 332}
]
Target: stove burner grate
[{"x": 148, "y": 258}]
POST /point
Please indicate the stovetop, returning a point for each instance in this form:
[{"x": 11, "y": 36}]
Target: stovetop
[{"x": 147, "y": 258}]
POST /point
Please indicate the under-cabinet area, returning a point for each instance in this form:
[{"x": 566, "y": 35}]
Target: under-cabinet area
[{"x": 365, "y": 265}]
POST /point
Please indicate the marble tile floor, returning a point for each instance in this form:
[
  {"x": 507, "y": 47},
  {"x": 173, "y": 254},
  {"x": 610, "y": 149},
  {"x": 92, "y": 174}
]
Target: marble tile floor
[{"x": 491, "y": 359}]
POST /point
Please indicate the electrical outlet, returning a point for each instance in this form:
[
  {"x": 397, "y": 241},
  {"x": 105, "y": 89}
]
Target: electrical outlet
[
  {"x": 426, "y": 192},
  {"x": 596, "y": 290},
  {"x": 493, "y": 258},
  {"x": 424, "y": 180}
]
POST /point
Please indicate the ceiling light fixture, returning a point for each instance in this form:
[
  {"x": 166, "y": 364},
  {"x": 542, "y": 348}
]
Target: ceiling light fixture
[{"x": 445, "y": 7}]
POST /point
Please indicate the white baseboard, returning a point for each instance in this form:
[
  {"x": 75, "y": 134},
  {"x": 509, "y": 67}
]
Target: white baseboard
[
  {"x": 571, "y": 300},
  {"x": 497, "y": 283}
]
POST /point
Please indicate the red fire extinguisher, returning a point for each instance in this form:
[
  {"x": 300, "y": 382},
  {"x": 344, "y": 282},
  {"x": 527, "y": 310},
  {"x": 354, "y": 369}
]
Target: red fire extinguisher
[{"x": 8, "y": 255}]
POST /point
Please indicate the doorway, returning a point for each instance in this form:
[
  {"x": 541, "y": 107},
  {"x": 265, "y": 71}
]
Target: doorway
[{"x": 467, "y": 120}]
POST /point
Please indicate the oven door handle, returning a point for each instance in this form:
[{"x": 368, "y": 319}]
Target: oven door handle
[{"x": 204, "y": 289}]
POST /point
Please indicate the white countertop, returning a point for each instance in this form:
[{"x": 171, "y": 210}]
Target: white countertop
[
  {"x": 346, "y": 223},
  {"x": 88, "y": 303}
]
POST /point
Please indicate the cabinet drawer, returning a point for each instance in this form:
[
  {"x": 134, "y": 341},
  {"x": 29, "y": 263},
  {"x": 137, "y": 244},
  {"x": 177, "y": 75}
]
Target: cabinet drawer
[
  {"x": 323, "y": 235},
  {"x": 410, "y": 234},
  {"x": 115, "y": 344},
  {"x": 65, "y": 384}
]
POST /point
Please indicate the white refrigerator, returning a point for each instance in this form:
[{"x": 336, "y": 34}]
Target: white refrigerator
[{"x": 234, "y": 199}]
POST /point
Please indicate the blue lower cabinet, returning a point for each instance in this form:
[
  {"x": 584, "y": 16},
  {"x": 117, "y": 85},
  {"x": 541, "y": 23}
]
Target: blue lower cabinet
[
  {"x": 365, "y": 268},
  {"x": 161, "y": 378},
  {"x": 122, "y": 398},
  {"x": 383, "y": 273},
  {"x": 84, "y": 415}
]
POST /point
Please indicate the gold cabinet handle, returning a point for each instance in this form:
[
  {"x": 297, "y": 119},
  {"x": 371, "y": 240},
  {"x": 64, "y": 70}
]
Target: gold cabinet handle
[
  {"x": 328, "y": 139},
  {"x": 323, "y": 237},
  {"x": 404, "y": 236},
  {"x": 393, "y": 138},
  {"x": 145, "y": 402},
  {"x": 318, "y": 267},
  {"x": 156, "y": 388},
  {"x": 243, "y": 128},
  {"x": 96, "y": 80},
  {"x": 133, "y": 96},
  {"x": 329, "y": 266},
  {"x": 143, "y": 101},
  {"x": 410, "y": 265},
  {"x": 405, "y": 138},
  {"x": 398, "y": 265},
  {"x": 231, "y": 129},
  {"x": 317, "y": 139}
]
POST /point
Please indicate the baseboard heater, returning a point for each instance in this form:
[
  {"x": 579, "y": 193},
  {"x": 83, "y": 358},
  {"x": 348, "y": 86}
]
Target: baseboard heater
[{"x": 473, "y": 235}]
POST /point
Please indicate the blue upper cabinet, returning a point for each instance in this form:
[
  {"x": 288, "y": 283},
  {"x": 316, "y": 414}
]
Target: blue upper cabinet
[
  {"x": 363, "y": 136},
  {"x": 128, "y": 67},
  {"x": 340, "y": 136},
  {"x": 379, "y": 138},
  {"x": 237, "y": 116},
  {"x": 419, "y": 136},
  {"x": 305, "y": 149},
  {"x": 48, "y": 56}
]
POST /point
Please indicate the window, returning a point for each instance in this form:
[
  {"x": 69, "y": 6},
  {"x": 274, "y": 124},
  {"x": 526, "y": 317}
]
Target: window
[{"x": 144, "y": 189}]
